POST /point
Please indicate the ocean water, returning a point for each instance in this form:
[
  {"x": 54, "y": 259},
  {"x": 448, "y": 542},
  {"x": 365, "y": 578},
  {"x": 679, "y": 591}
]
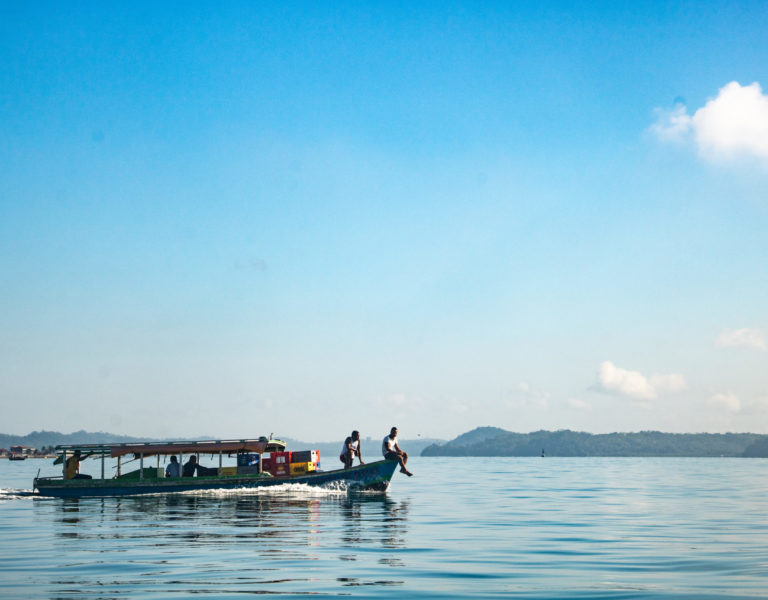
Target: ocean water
[{"x": 460, "y": 528}]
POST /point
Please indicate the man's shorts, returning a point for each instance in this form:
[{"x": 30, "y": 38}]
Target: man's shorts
[{"x": 391, "y": 456}]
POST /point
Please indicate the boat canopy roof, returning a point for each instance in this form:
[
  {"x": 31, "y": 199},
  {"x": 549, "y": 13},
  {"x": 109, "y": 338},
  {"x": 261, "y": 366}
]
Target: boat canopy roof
[{"x": 258, "y": 446}]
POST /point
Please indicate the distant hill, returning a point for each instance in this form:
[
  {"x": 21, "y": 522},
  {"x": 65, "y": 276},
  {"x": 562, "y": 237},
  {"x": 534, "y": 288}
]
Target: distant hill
[
  {"x": 492, "y": 441},
  {"x": 477, "y": 435},
  {"x": 38, "y": 439}
]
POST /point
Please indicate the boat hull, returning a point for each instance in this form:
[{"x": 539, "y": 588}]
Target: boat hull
[{"x": 374, "y": 476}]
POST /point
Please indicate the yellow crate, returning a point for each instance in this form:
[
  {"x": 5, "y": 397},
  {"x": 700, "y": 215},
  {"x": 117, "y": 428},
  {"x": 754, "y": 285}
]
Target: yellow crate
[
  {"x": 228, "y": 471},
  {"x": 301, "y": 468}
]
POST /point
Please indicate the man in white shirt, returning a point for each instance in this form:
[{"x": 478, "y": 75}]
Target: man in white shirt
[
  {"x": 350, "y": 449},
  {"x": 391, "y": 451}
]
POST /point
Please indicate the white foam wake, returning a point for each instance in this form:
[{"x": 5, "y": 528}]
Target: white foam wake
[
  {"x": 13, "y": 494},
  {"x": 284, "y": 490}
]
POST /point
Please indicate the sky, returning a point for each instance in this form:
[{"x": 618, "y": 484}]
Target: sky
[{"x": 304, "y": 218}]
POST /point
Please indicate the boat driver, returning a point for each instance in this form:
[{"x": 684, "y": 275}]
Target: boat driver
[{"x": 73, "y": 468}]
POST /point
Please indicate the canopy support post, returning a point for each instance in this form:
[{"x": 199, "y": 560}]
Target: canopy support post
[
  {"x": 64, "y": 464},
  {"x": 119, "y": 469},
  {"x": 102, "y": 465},
  {"x": 141, "y": 466}
]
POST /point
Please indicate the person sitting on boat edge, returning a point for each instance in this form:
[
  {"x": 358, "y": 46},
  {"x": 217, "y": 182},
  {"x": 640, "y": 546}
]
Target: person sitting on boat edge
[
  {"x": 351, "y": 448},
  {"x": 73, "y": 468},
  {"x": 173, "y": 469},
  {"x": 392, "y": 451},
  {"x": 190, "y": 467}
]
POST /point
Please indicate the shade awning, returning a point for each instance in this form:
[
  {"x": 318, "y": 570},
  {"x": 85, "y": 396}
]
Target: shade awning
[
  {"x": 202, "y": 447},
  {"x": 258, "y": 446}
]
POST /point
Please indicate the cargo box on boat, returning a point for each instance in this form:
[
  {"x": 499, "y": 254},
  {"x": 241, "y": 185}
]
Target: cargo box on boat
[
  {"x": 305, "y": 456},
  {"x": 302, "y": 468},
  {"x": 253, "y": 469},
  {"x": 247, "y": 460},
  {"x": 281, "y": 458},
  {"x": 149, "y": 473},
  {"x": 228, "y": 471},
  {"x": 280, "y": 470}
]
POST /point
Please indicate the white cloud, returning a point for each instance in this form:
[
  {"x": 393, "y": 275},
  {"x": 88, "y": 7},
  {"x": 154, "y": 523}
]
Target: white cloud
[
  {"x": 758, "y": 406},
  {"x": 527, "y": 395},
  {"x": 579, "y": 404},
  {"x": 745, "y": 338},
  {"x": 458, "y": 408},
  {"x": 673, "y": 383},
  {"x": 627, "y": 383},
  {"x": 634, "y": 384},
  {"x": 397, "y": 399},
  {"x": 672, "y": 125},
  {"x": 728, "y": 401},
  {"x": 735, "y": 123}
]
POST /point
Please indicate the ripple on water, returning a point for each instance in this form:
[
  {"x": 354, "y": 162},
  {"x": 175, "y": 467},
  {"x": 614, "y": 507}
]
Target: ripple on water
[{"x": 527, "y": 528}]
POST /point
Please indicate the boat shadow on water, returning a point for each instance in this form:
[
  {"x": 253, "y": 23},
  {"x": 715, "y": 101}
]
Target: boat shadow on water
[{"x": 365, "y": 518}]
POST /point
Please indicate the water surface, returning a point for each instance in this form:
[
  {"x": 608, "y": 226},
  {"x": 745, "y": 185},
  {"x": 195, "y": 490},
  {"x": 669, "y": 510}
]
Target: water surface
[{"x": 490, "y": 527}]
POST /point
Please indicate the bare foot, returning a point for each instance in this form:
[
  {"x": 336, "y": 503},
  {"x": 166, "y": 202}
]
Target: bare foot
[{"x": 406, "y": 472}]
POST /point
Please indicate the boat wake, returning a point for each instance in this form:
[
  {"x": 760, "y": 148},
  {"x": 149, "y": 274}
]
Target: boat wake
[
  {"x": 12, "y": 494},
  {"x": 284, "y": 490}
]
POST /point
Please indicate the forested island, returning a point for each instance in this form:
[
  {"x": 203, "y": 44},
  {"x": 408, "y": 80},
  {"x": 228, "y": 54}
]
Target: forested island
[{"x": 493, "y": 441}]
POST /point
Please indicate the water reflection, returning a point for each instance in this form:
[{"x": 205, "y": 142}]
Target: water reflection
[
  {"x": 371, "y": 519},
  {"x": 366, "y": 518},
  {"x": 254, "y": 543}
]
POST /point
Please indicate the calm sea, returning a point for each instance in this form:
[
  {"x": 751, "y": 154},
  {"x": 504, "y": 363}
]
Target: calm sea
[{"x": 521, "y": 527}]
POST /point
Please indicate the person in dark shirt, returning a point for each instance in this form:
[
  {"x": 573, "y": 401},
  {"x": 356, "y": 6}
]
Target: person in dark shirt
[{"x": 190, "y": 467}]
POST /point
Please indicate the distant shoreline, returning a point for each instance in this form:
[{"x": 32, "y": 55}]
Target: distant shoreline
[{"x": 496, "y": 442}]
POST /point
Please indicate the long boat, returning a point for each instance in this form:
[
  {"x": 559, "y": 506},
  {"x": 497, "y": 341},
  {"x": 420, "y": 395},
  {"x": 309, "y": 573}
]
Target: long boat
[{"x": 149, "y": 479}]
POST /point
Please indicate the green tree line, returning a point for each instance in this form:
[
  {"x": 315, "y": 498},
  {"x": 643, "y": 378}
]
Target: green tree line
[{"x": 489, "y": 441}]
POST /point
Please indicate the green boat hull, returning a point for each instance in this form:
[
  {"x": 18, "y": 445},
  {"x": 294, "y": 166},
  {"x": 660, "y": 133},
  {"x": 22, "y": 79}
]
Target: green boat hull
[{"x": 374, "y": 476}]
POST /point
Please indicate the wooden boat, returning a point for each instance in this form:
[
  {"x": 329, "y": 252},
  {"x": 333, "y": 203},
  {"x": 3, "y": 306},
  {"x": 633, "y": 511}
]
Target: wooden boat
[
  {"x": 151, "y": 480},
  {"x": 17, "y": 456}
]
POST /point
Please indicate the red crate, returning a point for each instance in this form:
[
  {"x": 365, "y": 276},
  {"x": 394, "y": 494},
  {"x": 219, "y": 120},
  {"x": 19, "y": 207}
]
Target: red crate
[
  {"x": 281, "y": 458},
  {"x": 280, "y": 470}
]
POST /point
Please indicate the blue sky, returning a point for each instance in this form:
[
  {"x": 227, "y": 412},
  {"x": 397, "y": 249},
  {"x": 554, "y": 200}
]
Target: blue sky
[{"x": 241, "y": 219}]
